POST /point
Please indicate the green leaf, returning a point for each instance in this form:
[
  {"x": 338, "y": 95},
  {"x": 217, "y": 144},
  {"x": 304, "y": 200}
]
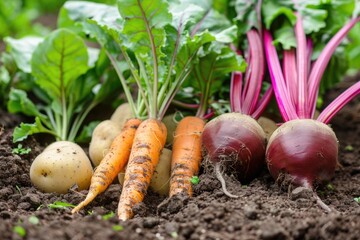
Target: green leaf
[
  {"x": 186, "y": 14},
  {"x": 86, "y": 133},
  {"x": 313, "y": 19},
  {"x": 273, "y": 9},
  {"x": 195, "y": 180},
  {"x": 285, "y": 36},
  {"x": 21, "y": 231},
  {"x": 22, "y": 49},
  {"x": 27, "y": 129},
  {"x": 60, "y": 205},
  {"x": 218, "y": 25},
  {"x": 20, "y": 103},
  {"x": 20, "y": 150},
  {"x": 60, "y": 59},
  {"x": 144, "y": 25},
  {"x": 117, "y": 228},
  {"x": 246, "y": 15},
  {"x": 74, "y": 12},
  {"x": 108, "y": 216},
  {"x": 34, "y": 220}
]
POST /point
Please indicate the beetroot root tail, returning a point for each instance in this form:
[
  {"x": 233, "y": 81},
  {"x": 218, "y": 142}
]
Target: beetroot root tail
[
  {"x": 222, "y": 181},
  {"x": 320, "y": 202}
]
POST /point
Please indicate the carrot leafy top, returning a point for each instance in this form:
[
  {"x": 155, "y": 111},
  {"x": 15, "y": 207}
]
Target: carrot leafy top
[{"x": 154, "y": 44}]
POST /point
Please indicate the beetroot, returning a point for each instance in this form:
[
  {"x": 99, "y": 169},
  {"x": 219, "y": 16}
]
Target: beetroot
[
  {"x": 237, "y": 139},
  {"x": 305, "y": 149}
]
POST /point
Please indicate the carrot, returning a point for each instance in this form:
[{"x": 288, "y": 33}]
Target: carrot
[
  {"x": 186, "y": 155},
  {"x": 148, "y": 142},
  {"x": 112, "y": 163}
]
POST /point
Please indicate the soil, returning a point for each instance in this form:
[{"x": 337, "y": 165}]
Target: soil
[{"x": 263, "y": 211}]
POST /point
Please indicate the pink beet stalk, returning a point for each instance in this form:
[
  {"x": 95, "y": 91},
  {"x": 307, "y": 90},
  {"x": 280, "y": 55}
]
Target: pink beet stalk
[
  {"x": 320, "y": 64},
  {"x": 304, "y": 150}
]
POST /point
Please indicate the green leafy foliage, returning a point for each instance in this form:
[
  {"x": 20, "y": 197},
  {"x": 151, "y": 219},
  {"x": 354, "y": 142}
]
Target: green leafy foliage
[
  {"x": 20, "y": 150},
  {"x": 70, "y": 80},
  {"x": 159, "y": 41},
  {"x": 58, "y": 61}
]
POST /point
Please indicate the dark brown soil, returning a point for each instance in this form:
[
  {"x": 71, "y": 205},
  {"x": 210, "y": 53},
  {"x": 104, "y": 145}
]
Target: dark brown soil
[{"x": 263, "y": 211}]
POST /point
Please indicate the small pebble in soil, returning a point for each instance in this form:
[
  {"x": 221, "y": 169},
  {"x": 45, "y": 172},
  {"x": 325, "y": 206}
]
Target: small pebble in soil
[
  {"x": 272, "y": 231},
  {"x": 24, "y": 206},
  {"x": 5, "y": 215},
  {"x": 33, "y": 199},
  {"x": 250, "y": 212},
  {"x": 150, "y": 222},
  {"x": 301, "y": 192},
  {"x": 171, "y": 227}
]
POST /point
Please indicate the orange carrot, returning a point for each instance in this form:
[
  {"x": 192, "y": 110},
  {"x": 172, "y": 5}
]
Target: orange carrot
[
  {"x": 148, "y": 142},
  {"x": 186, "y": 155},
  {"x": 112, "y": 163}
]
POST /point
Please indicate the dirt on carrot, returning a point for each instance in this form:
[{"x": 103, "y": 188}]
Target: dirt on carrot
[
  {"x": 186, "y": 155},
  {"x": 149, "y": 140},
  {"x": 113, "y": 162}
]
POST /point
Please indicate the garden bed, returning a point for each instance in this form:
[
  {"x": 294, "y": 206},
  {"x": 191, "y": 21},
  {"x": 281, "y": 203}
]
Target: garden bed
[{"x": 263, "y": 211}]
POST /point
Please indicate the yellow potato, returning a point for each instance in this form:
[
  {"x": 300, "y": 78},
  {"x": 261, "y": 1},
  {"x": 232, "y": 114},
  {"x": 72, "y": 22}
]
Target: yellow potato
[
  {"x": 121, "y": 114},
  {"x": 268, "y": 125},
  {"x": 60, "y": 166},
  {"x": 171, "y": 125},
  {"x": 161, "y": 178},
  {"x": 101, "y": 139}
]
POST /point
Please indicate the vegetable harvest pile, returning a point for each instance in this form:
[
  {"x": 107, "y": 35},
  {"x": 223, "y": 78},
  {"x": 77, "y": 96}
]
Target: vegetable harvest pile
[{"x": 192, "y": 82}]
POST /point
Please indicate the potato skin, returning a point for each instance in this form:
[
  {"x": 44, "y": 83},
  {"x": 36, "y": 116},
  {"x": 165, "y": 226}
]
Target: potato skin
[
  {"x": 121, "y": 114},
  {"x": 268, "y": 125},
  {"x": 61, "y": 165},
  {"x": 101, "y": 139},
  {"x": 171, "y": 125}
]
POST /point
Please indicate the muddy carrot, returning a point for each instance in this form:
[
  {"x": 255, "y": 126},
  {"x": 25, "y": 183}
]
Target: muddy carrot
[
  {"x": 186, "y": 155},
  {"x": 112, "y": 163},
  {"x": 148, "y": 142}
]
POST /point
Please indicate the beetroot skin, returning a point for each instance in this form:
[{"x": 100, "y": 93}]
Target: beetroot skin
[
  {"x": 305, "y": 149},
  {"x": 238, "y": 140}
]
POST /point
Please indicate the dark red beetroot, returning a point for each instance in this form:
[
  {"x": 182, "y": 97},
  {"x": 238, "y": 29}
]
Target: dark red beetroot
[
  {"x": 304, "y": 149},
  {"x": 237, "y": 139}
]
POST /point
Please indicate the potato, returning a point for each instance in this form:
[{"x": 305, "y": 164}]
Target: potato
[
  {"x": 171, "y": 125},
  {"x": 61, "y": 165},
  {"x": 161, "y": 178},
  {"x": 101, "y": 139},
  {"x": 121, "y": 114},
  {"x": 268, "y": 125}
]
